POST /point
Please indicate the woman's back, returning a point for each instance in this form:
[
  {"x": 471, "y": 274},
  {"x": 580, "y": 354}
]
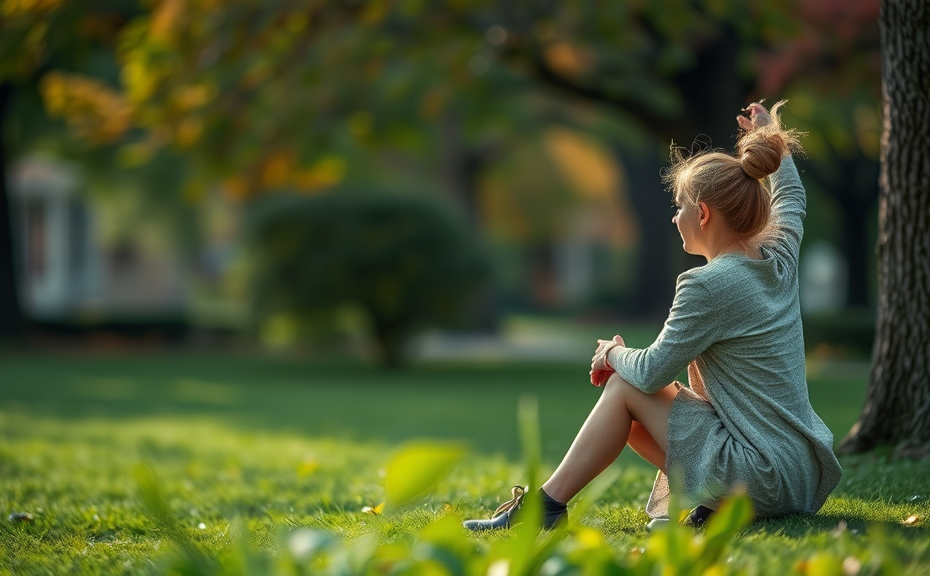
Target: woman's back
[
  {"x": 746, "y": 422},
  {"x": 747, "y": 419}
]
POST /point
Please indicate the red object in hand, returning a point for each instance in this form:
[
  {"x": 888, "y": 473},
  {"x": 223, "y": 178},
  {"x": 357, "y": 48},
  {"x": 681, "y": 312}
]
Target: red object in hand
[{"x": 599, "y": 377}]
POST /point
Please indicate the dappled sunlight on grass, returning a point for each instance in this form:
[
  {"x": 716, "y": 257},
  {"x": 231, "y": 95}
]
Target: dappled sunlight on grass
[
  {"x": 281, "y": 444},
  {"x": 474, "y": 402}
]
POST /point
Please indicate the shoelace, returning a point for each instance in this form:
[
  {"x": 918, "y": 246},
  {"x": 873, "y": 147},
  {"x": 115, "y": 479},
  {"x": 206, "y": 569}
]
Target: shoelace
[{"x": 517, "y": 493}]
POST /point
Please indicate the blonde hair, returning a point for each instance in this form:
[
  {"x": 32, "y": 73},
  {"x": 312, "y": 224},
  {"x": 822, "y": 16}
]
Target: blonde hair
[{"x": 736, "y": 185}]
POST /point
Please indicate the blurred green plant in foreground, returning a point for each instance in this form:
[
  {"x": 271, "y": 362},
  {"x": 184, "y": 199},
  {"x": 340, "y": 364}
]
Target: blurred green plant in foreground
[
  {"x": 401, "y": 263},
  {"x": 444, "y": 548}
]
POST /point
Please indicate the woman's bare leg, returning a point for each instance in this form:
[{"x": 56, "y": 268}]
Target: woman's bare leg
[
  {"x": 645, "y": 445},
  {"x": 607, "y": 430}
]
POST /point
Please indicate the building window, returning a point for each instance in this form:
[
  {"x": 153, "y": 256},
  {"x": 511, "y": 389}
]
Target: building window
[{"x": 36, "y": 239}]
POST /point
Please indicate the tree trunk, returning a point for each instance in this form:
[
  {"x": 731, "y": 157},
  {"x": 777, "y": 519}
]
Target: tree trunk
[
  {"x": 714, "y": 93},
  {"x": 655, "y": 278},
  {"x": 11, "y": 316},
  {"x": 462, "y": 166},
  {"x": 897, "y": 407},
  {"x": 392, "y": 344}
]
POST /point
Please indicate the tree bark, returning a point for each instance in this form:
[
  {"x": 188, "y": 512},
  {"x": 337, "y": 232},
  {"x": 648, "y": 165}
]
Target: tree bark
[
  {"x": 655, "y": 278},
  {"x": 11, "y": 316},
  {"x": 462, "y": 167},
  {"x": 897, "y": 407}
]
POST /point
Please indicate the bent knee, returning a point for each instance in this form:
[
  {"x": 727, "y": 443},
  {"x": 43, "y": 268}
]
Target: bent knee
[{"x": 618, "y": 383}]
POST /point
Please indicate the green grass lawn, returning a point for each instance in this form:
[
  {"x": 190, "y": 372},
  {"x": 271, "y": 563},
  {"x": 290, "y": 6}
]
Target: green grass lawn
[{"x": 281, "y": 443}]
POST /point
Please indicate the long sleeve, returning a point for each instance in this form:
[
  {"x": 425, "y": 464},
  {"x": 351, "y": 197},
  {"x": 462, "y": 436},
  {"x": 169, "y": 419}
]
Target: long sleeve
[
  {"x": 789, "y": 205},
  {"x": 749, "y": 423},
  {"x": 692, "y": 326}
]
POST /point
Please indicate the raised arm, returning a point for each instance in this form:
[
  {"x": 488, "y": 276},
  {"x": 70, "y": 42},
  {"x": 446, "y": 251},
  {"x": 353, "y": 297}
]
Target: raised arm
[
  {"x": 789, "y": 207},
  {"x": 789, "y": 201}
]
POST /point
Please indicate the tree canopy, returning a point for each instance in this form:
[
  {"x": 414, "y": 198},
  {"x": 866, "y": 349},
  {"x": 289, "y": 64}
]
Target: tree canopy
[
  {"x": 272, "y": 95},
  {"x": 258, "y": 91}
]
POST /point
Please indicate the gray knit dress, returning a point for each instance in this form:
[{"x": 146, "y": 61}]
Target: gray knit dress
[{"x": 746, "y": 421}]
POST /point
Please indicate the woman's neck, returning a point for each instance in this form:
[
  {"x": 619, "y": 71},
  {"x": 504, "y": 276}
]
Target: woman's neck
[{"x": 733, "y": 245}]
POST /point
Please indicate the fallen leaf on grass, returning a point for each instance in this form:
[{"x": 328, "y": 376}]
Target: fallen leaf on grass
[
  {"x": 820, "y": 564},
  {"x": 851, "y": 565},
  {"x": 374, "y": 511},
  {"x": 911, "y": 520}
]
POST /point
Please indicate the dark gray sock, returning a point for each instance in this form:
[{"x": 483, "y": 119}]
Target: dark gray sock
[{"x": 553, "y": 510}]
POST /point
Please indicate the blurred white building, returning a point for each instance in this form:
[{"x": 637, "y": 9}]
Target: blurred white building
[
  {"x": 823, "y": 279},
  {"x": 66, "y": 271}
]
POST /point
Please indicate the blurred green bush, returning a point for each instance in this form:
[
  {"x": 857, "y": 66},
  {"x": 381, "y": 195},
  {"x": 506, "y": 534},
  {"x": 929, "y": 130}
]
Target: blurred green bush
[
  {"x": 843, "y": 333},
  {"x": 404, "y": 263}
]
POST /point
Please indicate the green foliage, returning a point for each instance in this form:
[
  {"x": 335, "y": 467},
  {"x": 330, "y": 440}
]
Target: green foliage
[
  {"x": 255, "y": 91},
  {"x": 406, "y": 263},
  {"x": 23, "y": 42},
  {"x": 444, "y": 548},
  {"x": 416, "y": 469},
  {"x": 36, "y": 31},
  {"x": 676, "y": 547},
  {"x": 265, "y": 466}
]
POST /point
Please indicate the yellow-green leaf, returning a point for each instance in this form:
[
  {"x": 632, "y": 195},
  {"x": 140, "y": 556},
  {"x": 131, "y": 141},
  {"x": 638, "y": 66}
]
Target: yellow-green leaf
[{"x": 417, "y": 468}]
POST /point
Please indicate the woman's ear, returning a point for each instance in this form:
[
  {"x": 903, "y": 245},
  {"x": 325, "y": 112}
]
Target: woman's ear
[{"x": 703, "y": 214}]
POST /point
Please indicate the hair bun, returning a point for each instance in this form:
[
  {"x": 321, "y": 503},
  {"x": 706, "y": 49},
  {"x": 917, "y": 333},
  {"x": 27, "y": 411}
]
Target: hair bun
[
  {"x": 761, "y": 155},
  {"x": 761, "y": 149}
]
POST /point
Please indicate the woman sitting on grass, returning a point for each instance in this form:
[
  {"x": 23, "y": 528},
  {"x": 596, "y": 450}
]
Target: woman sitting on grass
[{"x": 746, "y": 421}]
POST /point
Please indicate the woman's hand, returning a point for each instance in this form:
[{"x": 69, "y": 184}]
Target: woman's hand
[
  {"x": 758, "y": 116},
  {"x": 599, "y": 361},
  {"x": 600, "y": 367}
]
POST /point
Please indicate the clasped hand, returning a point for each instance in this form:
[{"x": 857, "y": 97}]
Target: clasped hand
[{"x": 600, "y": 367}]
